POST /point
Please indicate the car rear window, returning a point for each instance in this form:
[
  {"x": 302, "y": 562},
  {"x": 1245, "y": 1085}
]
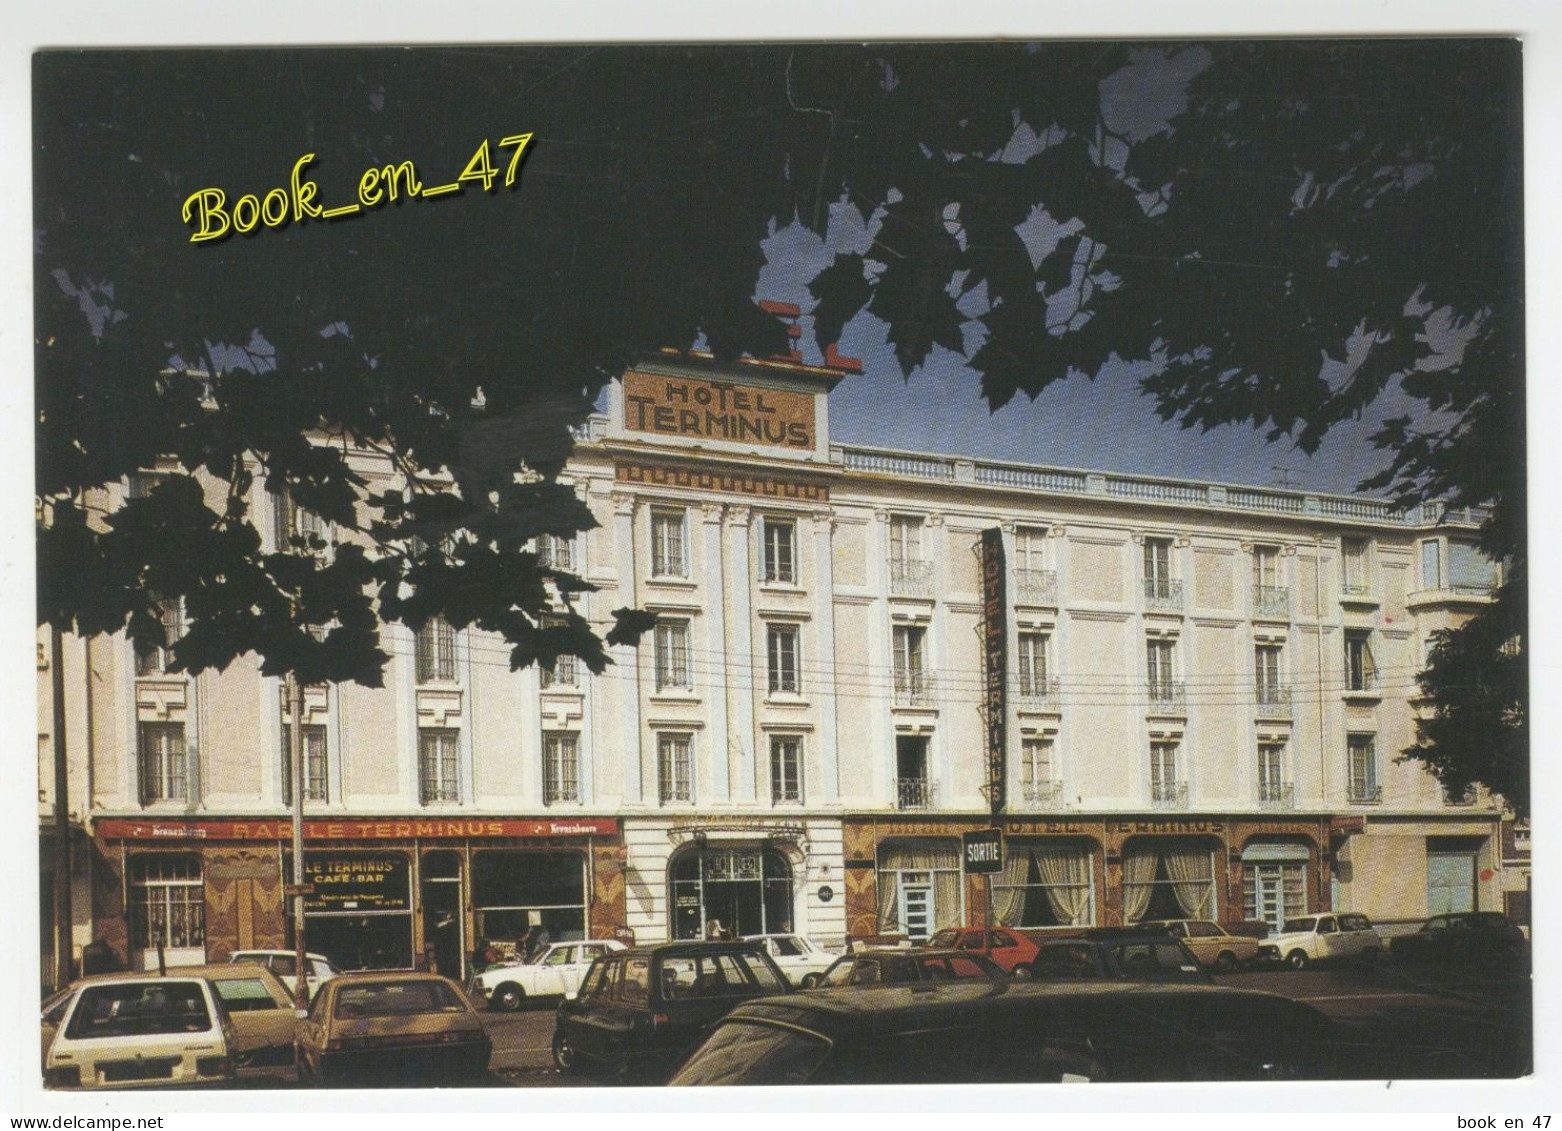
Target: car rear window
[
  {"x": 397, "y": 999},
  {"x": 1150, "y": 960},
  {"x": 240, "y": 995},
  {"x": 742, "y": 1052},
  {"x": 139, "y": 1009}
]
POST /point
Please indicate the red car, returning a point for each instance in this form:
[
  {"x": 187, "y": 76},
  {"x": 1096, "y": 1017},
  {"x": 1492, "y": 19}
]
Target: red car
[{"x": 1009, "y": 948}]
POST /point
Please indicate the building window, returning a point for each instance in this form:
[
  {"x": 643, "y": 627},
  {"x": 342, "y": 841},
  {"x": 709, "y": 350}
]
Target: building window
[
  {"x": 1157, "y": 568},
  {"x": 164, "y": 763},
  {"x": 294, "y": 528},
  {"x": 675, "y": 767},
  {"x": 157, "y": 659},
  {"x": 1274, "y": 892},
  {"x": 1031, "y": 648},
  {"x": 563, "y": 672},
  {"x": 555, "y": 552},
  {"x": 1033, "y": 581},
  {"x": 786, "y": 768},
  {"x": 1274, "y": 792},
  {"x": 1432, "y": 564},
  {"x": 1362, "y": 770},
  {"x": 1044, "y": 884},
  {"x": 1167, "y": 791},
  {"x": 560, "y": 768},
  {"x": 913, "y": 785},
  {"x": 167, "y": 902},
  {"x": 1171, "y": 881},
  {"x": 913, "y": 683},
  {"x": 669, "y": 545},
  {"x": 1038, "y": 776},
  {"x": 1353, "y": 563},
  {"x": 1361, "y": 674},
  {"x": 1270, "y": 598},
  {"x": 910, "y": 575},
  {"x": 436, "y": 651},
  {"x": 778, "y": 560},
  {"x": 781, "y": 647},
  {"x": 315, "y": 788},
  {"x": 438, "y": 766},
  {"x": 905, "y": 538},
  {"x": 1274, "y": 698},
  {"x": 671, "y": 644},
  {"x": 1160, "y": 664},
  {"x": 1469, "y": 570}
]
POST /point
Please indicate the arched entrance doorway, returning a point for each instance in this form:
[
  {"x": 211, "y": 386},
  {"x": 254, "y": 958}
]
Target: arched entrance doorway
[{"x": 745, "y": 888}]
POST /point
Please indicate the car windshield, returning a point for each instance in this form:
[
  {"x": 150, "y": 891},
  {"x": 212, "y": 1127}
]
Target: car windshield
[
  {"x": 743, "y": 1052},
  {"x": 1302, "y": 925},
  {"x": 139, "y": 1009},
  {"x": 397, "y": 999}
]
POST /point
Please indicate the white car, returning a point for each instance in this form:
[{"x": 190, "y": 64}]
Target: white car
[
  {"x": 137, "y": 1031},
  {"x": 556, "y": 972},
  {"x": 284, "y": 964},
  {"x": 1315, "y": 938},
  {"x": 802, "y": 960}
]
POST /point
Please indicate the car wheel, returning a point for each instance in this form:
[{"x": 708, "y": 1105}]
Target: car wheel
[
  {"x": 810, "y": 981},
  {"x": 1225, "y": 962},
  {"x": 508, "y": 998},
  {"x": 565, "y": 1059},
  {"x": 1297, "y": 959}
]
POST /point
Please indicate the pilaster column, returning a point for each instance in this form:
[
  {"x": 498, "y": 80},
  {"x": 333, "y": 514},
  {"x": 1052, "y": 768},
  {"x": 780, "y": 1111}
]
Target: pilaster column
[
  {"x": 742, "y": 741},
  {"x": 828, "y": 759},
  {"x": 625, "y": 657},
  {"x": 713, "y": 682}
]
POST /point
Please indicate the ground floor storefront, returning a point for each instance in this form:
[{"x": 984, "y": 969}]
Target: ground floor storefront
[
  {"x": 1400, "y": 870},
  {"x": 379, "y": 893},
  {"x": 903, "y": 875},
  {"x": 689, "y": 877}
]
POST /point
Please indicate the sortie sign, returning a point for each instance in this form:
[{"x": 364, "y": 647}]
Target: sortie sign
[{"x": 981, "y": 852}]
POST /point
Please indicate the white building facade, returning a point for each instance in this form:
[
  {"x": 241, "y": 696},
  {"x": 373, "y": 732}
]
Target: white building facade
[{"x": 1208, "y": 687}]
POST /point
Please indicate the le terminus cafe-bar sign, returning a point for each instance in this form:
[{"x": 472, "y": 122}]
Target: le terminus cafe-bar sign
[{"x": 385, "y": 829}]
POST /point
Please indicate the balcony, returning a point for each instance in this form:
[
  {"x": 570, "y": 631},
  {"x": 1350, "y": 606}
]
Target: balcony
[
  {"x": 1361, "y": 683},
  {"x": 908, "y": 578},
  {"x": 1167, "y": 697},
  {"x": 1036, "y": 587},
  {"x": 1272, "y": 602},
  {"x": 1036, "y": 693},
  {"x": 1276, "y": 795},
  {"x": 1274, "y": 701},
  {"x": 1042, "y": 794},
  {"x": 1169, "y": 795},
  {"x": 560, "y": 792},
  {"x": 1163, "y": 594},
  {"x": 1364, "y": 793},
  {"x": 915, "y": 689},
  {"x": 913, "y": 793}
]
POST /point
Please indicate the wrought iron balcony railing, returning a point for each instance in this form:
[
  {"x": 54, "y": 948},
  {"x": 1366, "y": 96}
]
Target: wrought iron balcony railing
[
  {"x": 913, "y": 793},
  {"x": 1271, "y": 601},
  {"x": 915, "y": 689},
  {"x": 1036, "y": 586},
  {"x": 910, "y": 578},
  {"x": 1276, "y": 795},
  {"x": 1169, "y": 794},
  {"x": 1364, "y": 793},
  {"x": 1163, "y": 593},
  {"x": 1042, "y": 794},
  {"x": 1274, "y": 701},
  {"x": 1036, "y": 692},
  {"x": 1361, "y": 681},
  {"x": 1167, "y": 695}
]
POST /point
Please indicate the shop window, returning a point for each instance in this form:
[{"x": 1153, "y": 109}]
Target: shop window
[
  {"x": 167, "y": 902},
  {"x": 734, "y": 890},
  {"x": 164, "y": 763},
  {"x": 436, "y": 651},
  {"x": 1168, "y": 882},
  {"x": 514, "y": 890},
  {"x": 919, "y": 887},
  {"x": 1044, "y": 885}
]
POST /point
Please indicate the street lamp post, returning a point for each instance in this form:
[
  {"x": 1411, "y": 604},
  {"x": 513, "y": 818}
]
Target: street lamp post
[{"x": 295, "y": 742}]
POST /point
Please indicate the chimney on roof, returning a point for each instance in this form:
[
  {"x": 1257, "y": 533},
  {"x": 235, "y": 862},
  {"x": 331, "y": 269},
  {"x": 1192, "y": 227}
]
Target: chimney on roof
[{"x": 789, "y": 312}]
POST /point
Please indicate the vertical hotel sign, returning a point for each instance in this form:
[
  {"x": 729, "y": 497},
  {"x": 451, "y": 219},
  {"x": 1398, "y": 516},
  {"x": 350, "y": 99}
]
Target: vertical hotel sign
[{"x": 995, "y": 649}]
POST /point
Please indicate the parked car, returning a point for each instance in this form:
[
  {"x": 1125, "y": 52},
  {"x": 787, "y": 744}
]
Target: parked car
[
  {"x": 963, "y": 1033},
  {"x": 391, "y": 1028},
  {"x": 639, "y": 1011},
  {"x": 554, "y": 973},
  {"x": 1460, "y": 937},
  {"x": 1209, "y": 942},
  {"x": 1007, "y": 948},
  {"x": 284, "y": 964},
  {"x": 260, "y": 1007},
  {"x": 1116, "y": 954},
  {"x": 139, "y": 1030},
  {"x": 1319, "y": 938},
  {"x": 802, "y": 960},
  {"x": 889, "y": 967}
]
